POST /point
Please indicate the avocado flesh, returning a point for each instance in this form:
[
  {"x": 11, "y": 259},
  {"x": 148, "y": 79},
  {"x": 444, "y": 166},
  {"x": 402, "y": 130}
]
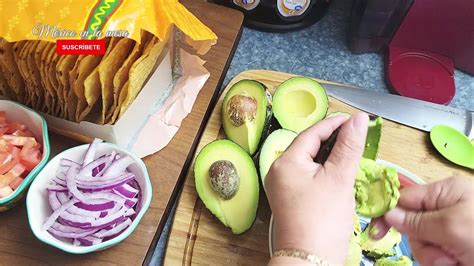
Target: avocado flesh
[
  {"x": 249, "y": 133},
  {"x": 299, "y": 103},
  {"x": 275, "y": 144},
  {"x": 374, "y": 133},
  {"x": 238, "y": 212},
  {"x": 354, "y": 255},
  {"x": 380, "y": 248},
  {"x": 402, "y": 261},
  {"x": 376, "y": 189}
]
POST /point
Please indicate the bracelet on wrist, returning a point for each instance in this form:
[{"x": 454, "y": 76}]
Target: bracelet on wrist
[{"x": 301, "y": 254}]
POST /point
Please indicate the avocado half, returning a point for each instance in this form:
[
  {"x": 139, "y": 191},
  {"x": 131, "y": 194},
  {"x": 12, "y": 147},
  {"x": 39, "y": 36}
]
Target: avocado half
[
  {"x": 246, "y": 111},
  {"x": 401, "y": 261},
  {"x": 227, "y": 183},
  {"x": 274, "y": 145},
  {"x": 374, "y": 134},
  {"x": 299, "y": 103},
  {"x": 376, "y": 188},
  {"x": 380, "y": 248},
  {"x": 354, "y": 255}
]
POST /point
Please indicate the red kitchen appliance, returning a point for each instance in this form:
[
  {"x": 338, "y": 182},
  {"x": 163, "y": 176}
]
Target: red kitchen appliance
[{"x": 433, "y": 37}]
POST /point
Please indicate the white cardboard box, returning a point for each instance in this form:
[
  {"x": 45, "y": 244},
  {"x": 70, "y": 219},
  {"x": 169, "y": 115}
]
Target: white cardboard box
[{"x": 123, "y": 131}]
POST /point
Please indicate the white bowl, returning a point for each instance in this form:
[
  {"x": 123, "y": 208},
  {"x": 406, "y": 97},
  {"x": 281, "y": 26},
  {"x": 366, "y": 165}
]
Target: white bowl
[
  {"x": 37, "y": 125},
  {"x": 39, "y": 210},
  {"x": 410, "y": 175}
]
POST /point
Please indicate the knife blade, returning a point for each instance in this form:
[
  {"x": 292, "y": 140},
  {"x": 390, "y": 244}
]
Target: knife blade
[{"x": 411, "y": 112}]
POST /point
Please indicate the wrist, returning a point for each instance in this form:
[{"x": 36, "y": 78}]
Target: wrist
[
  {"x": 302, "y": 256},
  {"x": 302, "y": 241},
  {"x": 288, "y": 261}
]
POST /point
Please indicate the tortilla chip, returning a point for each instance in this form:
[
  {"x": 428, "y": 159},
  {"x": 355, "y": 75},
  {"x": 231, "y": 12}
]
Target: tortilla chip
[
  {"x": 37, "y": 57},
  {"x": 51, "y": 69},
  {"x": 107, "y": 69},
  {"x": 20, "y": 59},
  {"x": 45, "y": 77},
  {"x": 72, "y": 97},
  {"x": 65, "y": 65},
  {"x": 124, "y": 90},
  {"x": 4, "y": 88},
  {"x": 121, "y": 77},
  {"x": 83, "y": 70},
  {"x": 140, "y": 72},
  {"x": 11, "y": 72},
  {"x": 92, "y": 90},
  {"x": 121, "y": 99},
  {"x": 51, "y": 80},
  {"x": 35, "y": 77}
]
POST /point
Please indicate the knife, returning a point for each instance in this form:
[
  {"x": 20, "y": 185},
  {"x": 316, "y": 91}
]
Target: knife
[{"x": 411, "y": 112}]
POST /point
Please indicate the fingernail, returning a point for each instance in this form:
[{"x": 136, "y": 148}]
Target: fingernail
[
  {"x": 374, "y": 230},
  {"x": 444, "y": 261},
  {"x": 395, "y": 217},
  {"x": 360, "y": 121}
]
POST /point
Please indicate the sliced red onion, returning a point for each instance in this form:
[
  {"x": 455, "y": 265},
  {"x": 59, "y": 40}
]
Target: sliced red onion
[
  {"x": 93, "y": 201},
  {"x": 58, "y": 233},
  {"x": 63, "y": 197},
  {"x": 126, "y": 191},
  {"x": 95, "y": 165},
  {"x": 100, "y": 205},
  {"x": 91, "y": 150},
  {"x": 117, "y": 229},
  {"x": 131, "y": 202},
  {"x": 53, "y": 200},
  {"x": 102, "y": 179},
  {"x": 89, "y": 241},
  {"x": 95, "y": 188},
  {"x": 56, "y": 188},
  {"x": 119, "y": 166},
  {"x": 51, "y": 219},
  {"x": 113, "y": 156}
]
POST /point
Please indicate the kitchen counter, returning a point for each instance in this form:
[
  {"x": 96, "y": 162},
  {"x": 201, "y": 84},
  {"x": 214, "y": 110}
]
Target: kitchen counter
[{"x": 319, "y": 51}]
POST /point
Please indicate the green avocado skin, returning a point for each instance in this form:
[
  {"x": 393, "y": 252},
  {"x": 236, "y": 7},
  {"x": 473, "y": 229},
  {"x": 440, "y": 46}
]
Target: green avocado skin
[
  {"x": 376, "y": 189},
  {"x": 402, "y": 261},
  {"x": 374, "y": 134},
  {"x": 380, "y": 248}
]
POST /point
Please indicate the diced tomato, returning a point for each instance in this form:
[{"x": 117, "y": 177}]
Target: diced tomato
[
  {"x": 14, "y": 126},
  {"x": 6, "y": 179},
  {"x": 16, "y": 183},
  {"x": 18, "y": 170},
  {"x": 5, "y": 192},
  {"x": 31, "y": 159},
  {"x": 405, "y": 181},
  {"x": 3, "y": 130},
  {"x": 23, "y": 133},
  {"x": 10, "y": 162},
  {"x": 20, "y": 152},
  {"x": 5, "y": 146},
  {"x": 3, "y": 116},
  {"x": 18, "y": 140}
]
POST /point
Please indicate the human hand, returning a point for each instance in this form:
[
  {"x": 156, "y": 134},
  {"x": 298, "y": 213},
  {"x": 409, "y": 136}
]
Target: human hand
[
  {"x": 313, "y": 205},
  {"x": 438, "y": 219}
]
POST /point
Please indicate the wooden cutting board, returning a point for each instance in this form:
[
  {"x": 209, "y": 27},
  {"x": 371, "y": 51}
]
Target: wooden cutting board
[
  {"x": 197, "y": 237},
  {"x": 167, "y": 168}
]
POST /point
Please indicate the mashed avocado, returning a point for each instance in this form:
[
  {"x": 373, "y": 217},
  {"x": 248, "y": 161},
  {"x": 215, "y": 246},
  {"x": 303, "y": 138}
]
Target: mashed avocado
[
  {"x": 382, "y": 247},
  {"x": 402, "y": 261},
  {"x": 354, "y": 256},
  {"x": 376, "y": 189}
]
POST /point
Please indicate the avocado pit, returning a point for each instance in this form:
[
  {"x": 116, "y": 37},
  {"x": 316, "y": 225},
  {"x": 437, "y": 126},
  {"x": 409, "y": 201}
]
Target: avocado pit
[
  {"x": 242, "y": 108},
  {"x": 224, "y": 178}
]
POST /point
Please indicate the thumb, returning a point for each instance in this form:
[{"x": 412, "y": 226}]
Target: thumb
[
  {"x": 420, "y": 225},
  {"x": 349, "y": 146}
]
